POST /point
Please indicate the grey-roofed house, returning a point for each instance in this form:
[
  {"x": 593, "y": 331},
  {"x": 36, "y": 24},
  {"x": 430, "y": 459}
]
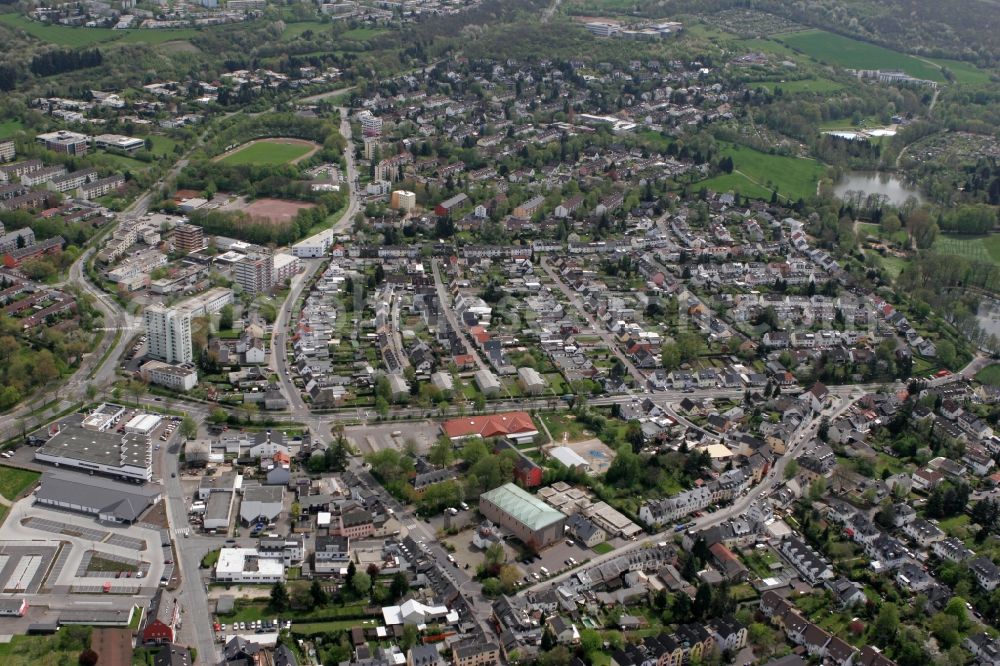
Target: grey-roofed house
[
  {"x": 112, "y": 501},
  {"x": 172, "y": 655},
  {"x": 284, "y": 656},
  {"x": 261, "y": 502}
]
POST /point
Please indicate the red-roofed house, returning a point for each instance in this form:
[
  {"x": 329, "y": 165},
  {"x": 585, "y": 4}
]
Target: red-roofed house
[{"x": 516, "y": 426}]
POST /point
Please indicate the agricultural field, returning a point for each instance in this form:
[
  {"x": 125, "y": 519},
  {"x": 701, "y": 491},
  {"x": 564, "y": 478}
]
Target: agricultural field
[
  {"x": 977, "y": 248},
  {"x": 83, "y": 37},
  {"x": 853, "y": 54},
  {"x": 268, "y": 151},
  {"x": 757, "y": 174}
]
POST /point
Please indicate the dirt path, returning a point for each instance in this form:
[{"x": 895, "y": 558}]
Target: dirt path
[{"x": 279, "y": 140}]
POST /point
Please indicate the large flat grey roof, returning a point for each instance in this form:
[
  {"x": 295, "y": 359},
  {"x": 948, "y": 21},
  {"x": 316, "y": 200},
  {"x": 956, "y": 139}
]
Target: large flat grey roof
[
  {"x": 126, "y": 501},
  {"x": 101, "y": 448}
]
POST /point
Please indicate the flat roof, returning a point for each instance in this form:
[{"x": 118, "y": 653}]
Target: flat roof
[
  {"x": 525, "y": 507},
  {"x": 143, "y": 422},
  {"x": 263, "y": 493},
  {"x": 219, "y": 505},
  {"x": 239, "y": 560},
  {"x": 101, "y": 448}
]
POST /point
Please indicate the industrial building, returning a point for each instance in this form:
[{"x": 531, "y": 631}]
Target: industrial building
[
  {"x": 127, "y": 456},
  {"x": 111, "y": 501},
  {"x": 528, "y": 518}
]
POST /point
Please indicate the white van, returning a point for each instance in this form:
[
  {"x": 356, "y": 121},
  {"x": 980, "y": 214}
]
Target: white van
[{"x": 544, "y": 571}]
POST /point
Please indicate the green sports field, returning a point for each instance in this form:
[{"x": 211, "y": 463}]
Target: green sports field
[
  {"x": 853, "y": 54},
  {"x": 976, "y": 248},
  {"x": 267, "y": 152}
]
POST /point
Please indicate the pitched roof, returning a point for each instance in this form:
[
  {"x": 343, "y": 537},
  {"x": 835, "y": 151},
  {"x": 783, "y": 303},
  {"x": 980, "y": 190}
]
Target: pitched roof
[{"x": 493, "y": 425}]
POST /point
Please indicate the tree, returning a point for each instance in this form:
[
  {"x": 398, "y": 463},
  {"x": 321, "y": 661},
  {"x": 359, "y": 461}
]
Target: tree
[
  {"x": 886, "y": 625},
  {"x": 442, "y": 452},
  {"x": 791, "y": 469},
  {"x": 279, "y": 598},
  {"x": 361, "y": 584},
  {"x": 226, "y": 318},
  {"x": 946, "y": 353},
  {"x": 218, "y": 416},
  {"x": 318, "y": 594},
  {"x": 400, "y": 586},
  {"x": 495, "y": 555},
  {"x": 87, "y": 658},
  {"x": 189, "y": 427}
]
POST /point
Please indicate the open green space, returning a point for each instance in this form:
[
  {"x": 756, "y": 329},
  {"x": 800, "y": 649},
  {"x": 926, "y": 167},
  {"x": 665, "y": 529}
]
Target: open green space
[
  {"x": 756, "y": 174},
  {"x": 62, "y": 647},
  {"x": 963, "y": 72},
  {"x": 313, "y": 628},
  {"x": 82, "y": 37},
  {"x": 266, "y": 152},
  {"x": 976, "y": 248},
  {"x": 251, "y": 611},
  {"x": 603, "y": 548},
  {"x": 162, "y": 145},
  {"x": 736, "y": 182},
  {"x": 14, "y": 481},
  {"x": 989, "y": 375},
  {"x": 293, "y": 30},
  {"x": 8, "y": 127},
  {"x": 361, "y": 34},
  {"x": 893, "y": 265},
  {"x": 101, "y": 564},
  {"x": 849, "y": 53}
]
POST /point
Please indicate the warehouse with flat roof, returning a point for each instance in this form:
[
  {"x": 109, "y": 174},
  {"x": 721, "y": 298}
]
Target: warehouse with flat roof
[
  {"x": 127, "y": 456},
  {"x": 528, "y": 518}
]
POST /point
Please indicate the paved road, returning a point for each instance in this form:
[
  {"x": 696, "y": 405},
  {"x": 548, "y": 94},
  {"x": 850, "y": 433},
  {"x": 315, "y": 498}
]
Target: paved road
[
  {"x": 196, "y": 629},
  {"x": 444, "y": 303},
  {"x": 280, "y": 337}
]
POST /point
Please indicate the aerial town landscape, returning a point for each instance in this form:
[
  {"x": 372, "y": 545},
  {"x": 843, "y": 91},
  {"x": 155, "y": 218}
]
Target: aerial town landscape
[{"x": 468, "y": 333}]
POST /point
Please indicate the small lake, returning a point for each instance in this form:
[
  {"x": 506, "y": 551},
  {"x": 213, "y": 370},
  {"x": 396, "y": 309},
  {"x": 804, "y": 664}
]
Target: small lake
[{"x": 876, "y": 182}]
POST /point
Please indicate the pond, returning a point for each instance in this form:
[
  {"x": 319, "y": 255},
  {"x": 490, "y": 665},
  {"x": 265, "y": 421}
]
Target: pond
[{"x": 876, "y": 182}]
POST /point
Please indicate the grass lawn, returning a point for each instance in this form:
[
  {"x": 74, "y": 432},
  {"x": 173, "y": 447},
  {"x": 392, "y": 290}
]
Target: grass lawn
[
  {"x": 267, "y": 152},
  {"x": 249, "y": 611},
  {"x": 210, "y": 559},
  {"x": 954, "y": 526},
  {"x": 293, "y": 30},
  {"x": 81, "y": 37},
  {"x": 559, "y": 423},
  {"x": 603, "y": 548},
  {"x": 833, "y": 49},
  {"x": 8, "y": 127},
  {"x": 892, "y": 265},
  {"x": 735, "y": 182},
  {"x": 15, "y": 481},
  {"x": 102, "y": 565},
  {"x": 963, "y": 72},
  {"x": 979, "y": 248},
  {"x": 25, "y": 650},
  {"x": 3, "y": 513},
  {"x": 162, "y": 145},
  {"x": 361, "y": 34},
  {"x": 801, "y": 86},
  {"x": 989, "y": 375},
  {"x": 756, "y": 174}
]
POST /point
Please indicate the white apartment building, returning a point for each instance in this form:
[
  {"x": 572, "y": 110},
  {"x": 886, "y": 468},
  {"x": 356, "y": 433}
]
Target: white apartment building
[{"x": 169, "y": 334}]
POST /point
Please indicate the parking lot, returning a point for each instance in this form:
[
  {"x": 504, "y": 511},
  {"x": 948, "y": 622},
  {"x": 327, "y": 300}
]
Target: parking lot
[
  {"x": 372, "y": 438},
  {"x": 554, "y": 558}
]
